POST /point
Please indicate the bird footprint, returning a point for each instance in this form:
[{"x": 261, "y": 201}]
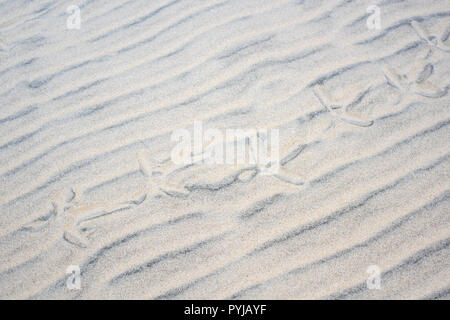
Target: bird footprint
[
  {"x": 75, "y": 214},
  {"x": 66, "y": 211},
  {"x": 432, "y": 39},
  {"x": 277, "y": 169},
  {"x": 332, "y": 105},
  {"x": 157, "y": 173},
  {"x": 416, "y": 81}
]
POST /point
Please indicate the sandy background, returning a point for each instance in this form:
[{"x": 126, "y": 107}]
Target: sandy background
[{"x": 365, "y": 111}]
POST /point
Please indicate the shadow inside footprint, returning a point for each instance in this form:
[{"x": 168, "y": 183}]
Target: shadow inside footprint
[{"x": 37, "y": 83}]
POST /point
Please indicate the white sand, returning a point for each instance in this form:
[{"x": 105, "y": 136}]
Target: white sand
[{"x": 79, "y": 108}]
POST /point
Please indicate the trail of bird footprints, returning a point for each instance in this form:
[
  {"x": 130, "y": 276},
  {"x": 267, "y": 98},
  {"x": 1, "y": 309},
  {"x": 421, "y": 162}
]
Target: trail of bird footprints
[{"x": 68, "y": 213}]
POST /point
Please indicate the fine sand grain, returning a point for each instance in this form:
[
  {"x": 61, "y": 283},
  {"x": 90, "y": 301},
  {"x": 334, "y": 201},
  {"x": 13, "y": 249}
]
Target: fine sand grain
[{"x": 87, "y": 180}]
